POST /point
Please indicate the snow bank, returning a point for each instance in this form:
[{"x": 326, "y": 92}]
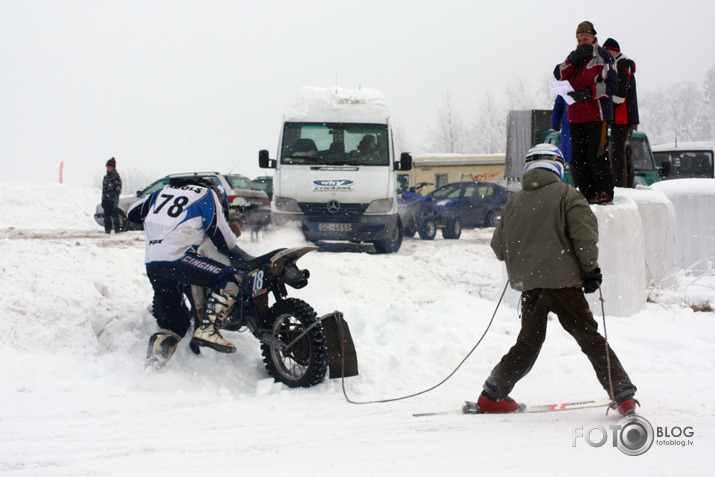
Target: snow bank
[
  {"x": 621, "y": 256},
  {"x": 658, "y": 222},
  {"x": 637, "y": 246},
  {"x": 694, "y": 204},
  {"x": 58, "y": 206}
]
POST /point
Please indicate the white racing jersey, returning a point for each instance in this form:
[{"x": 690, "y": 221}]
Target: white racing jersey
[{"x": 179, "y": 219}]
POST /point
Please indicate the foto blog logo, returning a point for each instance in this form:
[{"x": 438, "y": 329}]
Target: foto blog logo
[{"x": 633, "y": 435}]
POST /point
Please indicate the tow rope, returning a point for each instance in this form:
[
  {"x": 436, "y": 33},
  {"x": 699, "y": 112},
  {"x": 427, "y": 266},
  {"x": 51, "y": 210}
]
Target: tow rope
[{"x": 342, "y": 344}]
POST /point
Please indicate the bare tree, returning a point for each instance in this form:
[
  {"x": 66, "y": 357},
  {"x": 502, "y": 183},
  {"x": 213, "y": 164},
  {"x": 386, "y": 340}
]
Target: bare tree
[
  {"x": 678, "y": 113},
  {"x": 399, "y": 138},
  {"x": 709, "y": 86},
  {"x": 449, "y": 134},
  {"x": 489, "y": 131}
]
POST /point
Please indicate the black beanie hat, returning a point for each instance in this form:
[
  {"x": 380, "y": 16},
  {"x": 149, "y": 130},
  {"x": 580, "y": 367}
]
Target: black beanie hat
[{"x": 612, "y": 45}]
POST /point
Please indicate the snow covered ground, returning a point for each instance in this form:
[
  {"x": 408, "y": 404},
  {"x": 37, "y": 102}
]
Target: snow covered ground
[{"x": 77, "y": 401}]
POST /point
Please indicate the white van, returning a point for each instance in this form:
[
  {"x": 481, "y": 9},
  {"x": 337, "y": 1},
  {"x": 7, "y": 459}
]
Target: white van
[
  {"x": 685, "y": 160},
  {"x": 335, "y": 168}
]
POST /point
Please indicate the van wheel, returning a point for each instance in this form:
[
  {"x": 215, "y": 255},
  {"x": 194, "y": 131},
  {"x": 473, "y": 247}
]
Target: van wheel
[{"x": 391, "y": 244}]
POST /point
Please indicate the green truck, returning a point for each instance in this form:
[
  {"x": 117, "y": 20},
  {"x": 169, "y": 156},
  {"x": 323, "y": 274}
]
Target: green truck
[{"x": 526, "y": 128}]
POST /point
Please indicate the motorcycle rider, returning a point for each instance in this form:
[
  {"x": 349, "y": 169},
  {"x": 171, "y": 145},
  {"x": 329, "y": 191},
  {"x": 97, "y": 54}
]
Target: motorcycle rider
[{"x": 177, "y": 218}]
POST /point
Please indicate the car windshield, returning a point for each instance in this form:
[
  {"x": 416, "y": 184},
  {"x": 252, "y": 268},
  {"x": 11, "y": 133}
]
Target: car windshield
[
  {"x": 237, "y": 181},
  {"x": 640, "y": 154},
  {"x": 154, "y": 187},
  {"x": 262, "y": 184},
  {"x": 687, "y": 164},
  {"x": 335, "y": 144}
]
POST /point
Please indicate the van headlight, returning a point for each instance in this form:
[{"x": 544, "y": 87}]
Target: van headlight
[
  {"x": 284, "y": 204},
  {"x": 381, "y": 206}
]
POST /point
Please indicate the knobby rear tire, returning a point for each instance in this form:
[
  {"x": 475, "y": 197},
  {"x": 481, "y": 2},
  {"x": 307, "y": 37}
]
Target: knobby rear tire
[{"x": 306, "y": 362}]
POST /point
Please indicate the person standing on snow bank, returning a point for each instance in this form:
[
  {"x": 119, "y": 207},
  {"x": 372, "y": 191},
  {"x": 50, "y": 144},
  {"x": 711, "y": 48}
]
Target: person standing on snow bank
[
  {"x": 591, "y": 71},
  {"x": 177, "y": 219},
  {"x": 548, "y": 238},
  {"x": 625, "y": 117},
  {"x": 560, "y": 122},
  {"x": 111, "y": 188}
]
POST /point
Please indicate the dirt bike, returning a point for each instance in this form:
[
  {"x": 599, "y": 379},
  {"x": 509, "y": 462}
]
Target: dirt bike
[
  {"x": 416, "y": 213},
  {"x": 298, "y": 346}
]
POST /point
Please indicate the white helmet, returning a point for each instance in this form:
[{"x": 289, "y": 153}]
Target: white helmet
[{"x": 545, "y": 156}]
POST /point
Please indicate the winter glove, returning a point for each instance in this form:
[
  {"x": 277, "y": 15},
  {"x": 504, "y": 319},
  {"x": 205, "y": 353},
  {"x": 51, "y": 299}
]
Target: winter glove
[
  {"x": 592, "y": 280},
  {"x": 556, "y": 128},
  {"x": 581, "y": 96},
  {"x": 580, "y": 54}
]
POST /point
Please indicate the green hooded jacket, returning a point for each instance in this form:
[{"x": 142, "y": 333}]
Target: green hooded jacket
[{"x": 547, "y": 235}]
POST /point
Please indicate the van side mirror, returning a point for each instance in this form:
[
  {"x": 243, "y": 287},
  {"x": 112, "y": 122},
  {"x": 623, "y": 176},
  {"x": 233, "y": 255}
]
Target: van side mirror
[
  {"x": 405, "y": 163},
  {"x": 264, "y": 161},
  {"x": 665, "y": 168}
]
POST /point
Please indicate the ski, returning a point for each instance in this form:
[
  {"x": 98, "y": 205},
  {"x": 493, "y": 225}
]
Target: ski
[{"x": 471, "y": 407}]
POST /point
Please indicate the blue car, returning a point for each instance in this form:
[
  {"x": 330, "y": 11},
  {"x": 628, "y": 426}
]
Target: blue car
[{"x": 467, "y": 205}]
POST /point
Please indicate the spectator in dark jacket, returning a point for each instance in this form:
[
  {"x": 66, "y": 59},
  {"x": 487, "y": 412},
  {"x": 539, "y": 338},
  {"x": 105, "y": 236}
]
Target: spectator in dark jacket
[
  {"x": 560, "y": 122},
  {"x": 111, "y": 188},
  {"x": 625, "y": 119},
  {"x": 590, "y": 70}
]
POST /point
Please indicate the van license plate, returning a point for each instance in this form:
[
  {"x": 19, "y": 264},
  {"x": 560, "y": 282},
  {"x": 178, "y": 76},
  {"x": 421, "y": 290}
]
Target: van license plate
[{"x": 335, "y": 227}]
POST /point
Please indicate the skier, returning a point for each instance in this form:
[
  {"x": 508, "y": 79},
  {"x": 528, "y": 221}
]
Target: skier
[
  {"x": 177, "y": 219},
  {"x": 548, "y": 238}
]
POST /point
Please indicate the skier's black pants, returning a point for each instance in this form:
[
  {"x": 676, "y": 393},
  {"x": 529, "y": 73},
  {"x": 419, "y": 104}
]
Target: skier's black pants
[
  {"x": 111, "y": 215},
  {"x": 165, "y": 278},
  {"x": 590, "y": 167},
  {"x": 571, "y": 307}
]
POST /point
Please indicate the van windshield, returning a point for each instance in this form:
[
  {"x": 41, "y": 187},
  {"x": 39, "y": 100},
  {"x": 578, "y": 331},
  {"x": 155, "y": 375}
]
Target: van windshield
[{"x": 335, "y": 144}]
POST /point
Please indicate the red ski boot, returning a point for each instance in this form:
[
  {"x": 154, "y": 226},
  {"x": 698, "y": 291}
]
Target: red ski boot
[
  {"x": 628, "y": 407},
  {"x": 487, "y": 405}
]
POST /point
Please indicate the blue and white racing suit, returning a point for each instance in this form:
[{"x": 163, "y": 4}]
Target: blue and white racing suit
[{"x": 177, "y": 220}]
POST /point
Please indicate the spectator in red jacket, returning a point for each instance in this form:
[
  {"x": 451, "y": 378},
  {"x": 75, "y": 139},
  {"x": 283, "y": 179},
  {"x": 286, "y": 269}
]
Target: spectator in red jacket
[
  {"x": 625, "y": 116},
  {"x": 590, "y": 70}
]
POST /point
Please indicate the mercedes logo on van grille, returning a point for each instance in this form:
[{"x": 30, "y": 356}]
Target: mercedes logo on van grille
[{"x": 333, "y": 206}]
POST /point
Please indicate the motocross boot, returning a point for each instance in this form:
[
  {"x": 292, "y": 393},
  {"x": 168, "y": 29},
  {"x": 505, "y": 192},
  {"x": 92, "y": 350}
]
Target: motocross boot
[
  {"x": 162, "y": 345},
  {"x": 218, "y": 305}
]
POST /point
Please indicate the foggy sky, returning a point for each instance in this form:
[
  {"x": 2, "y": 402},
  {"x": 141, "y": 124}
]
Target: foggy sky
[{"x": 174, "y": 86}]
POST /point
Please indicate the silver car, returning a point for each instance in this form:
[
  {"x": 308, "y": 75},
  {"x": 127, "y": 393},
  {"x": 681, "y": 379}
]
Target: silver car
[{"x": 249, "y": 206}]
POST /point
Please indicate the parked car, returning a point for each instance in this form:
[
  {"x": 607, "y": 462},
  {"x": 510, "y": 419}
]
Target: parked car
[
  {"x": 265, "y": 183},
  {"x": 467, "y": 205},
  {"x": 249, "y": 206},
  {"x": 685, "y": 160}
]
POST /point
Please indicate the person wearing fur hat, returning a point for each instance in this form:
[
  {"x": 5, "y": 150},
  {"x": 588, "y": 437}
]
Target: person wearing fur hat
[
  {"x": 591, "y": 71},
  {"x": 547, "y": 237},
  {"x": 625, "y": 116},
  {"x": 111, "y": 188}
]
